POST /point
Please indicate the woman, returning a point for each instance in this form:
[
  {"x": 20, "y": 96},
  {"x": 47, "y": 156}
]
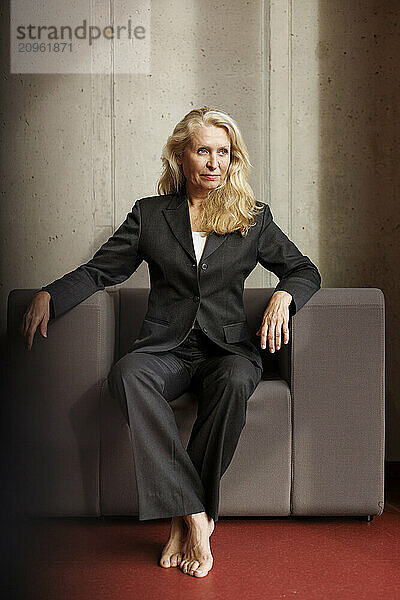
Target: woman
[{"x": 201, "y": 237}]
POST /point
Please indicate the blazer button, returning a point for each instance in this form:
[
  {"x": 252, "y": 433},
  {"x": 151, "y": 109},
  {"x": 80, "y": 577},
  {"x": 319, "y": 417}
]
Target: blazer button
[
  {"x": 196, "y": 298},
  {"x": 204, "y": 266},
  {"x": 194, "y": 265},
  {"x": 205, "y": 330}
]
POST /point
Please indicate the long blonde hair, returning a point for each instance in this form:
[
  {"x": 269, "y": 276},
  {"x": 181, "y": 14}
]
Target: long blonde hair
[{"x": 232, "y": 204}]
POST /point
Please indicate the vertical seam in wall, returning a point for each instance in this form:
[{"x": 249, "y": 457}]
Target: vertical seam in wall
[
  {"x": 92, "y": 93},
  {"x": 112, "y": 121},
  {"x": 290, "y": 118},
  {"x": 266, "y": 111},
  {"x": 262, "y": 110},
  {"x": 264, "y": 100}
]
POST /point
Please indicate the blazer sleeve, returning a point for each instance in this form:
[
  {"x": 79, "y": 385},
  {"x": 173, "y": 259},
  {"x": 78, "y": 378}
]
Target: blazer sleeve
[
  {"x": 297, "y": 274},
  {"x": 113, "y": 262}
]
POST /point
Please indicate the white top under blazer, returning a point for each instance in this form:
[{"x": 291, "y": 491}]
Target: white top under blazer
[{"x": 199, "y": 241}]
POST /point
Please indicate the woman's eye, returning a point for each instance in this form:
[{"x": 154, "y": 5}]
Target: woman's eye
[{"x": 221, "y": 151}]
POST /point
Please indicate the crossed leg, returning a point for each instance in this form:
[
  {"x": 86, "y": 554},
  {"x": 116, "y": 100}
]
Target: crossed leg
[
  {"x": 173, "y": 481},
  {"x": 223, "y": 385}
]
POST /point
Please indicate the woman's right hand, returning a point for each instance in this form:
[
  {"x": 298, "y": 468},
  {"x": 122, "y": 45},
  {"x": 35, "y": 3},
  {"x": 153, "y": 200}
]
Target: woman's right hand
[{"x": 37, "y": 312}]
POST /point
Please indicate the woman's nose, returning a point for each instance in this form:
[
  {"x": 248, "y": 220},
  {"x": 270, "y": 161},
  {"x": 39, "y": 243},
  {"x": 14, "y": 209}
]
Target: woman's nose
[{"x": 213, "y": 161}]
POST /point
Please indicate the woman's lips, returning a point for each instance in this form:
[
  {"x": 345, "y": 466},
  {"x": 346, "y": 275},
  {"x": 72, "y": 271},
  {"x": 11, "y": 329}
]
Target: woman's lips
[{"x": 210, "y": 176}]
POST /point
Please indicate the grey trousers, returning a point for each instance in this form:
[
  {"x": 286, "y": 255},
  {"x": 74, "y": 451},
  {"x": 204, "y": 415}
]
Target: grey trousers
[{"x": 172, "y": 480}]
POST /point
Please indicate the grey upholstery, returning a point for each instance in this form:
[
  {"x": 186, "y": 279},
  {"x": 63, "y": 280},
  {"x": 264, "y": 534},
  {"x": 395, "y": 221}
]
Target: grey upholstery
[{"x": 313, "y": 443}]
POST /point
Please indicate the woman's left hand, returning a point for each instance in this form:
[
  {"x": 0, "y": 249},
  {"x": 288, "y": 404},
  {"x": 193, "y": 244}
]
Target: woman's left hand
[{"x": 276, "y": 317}]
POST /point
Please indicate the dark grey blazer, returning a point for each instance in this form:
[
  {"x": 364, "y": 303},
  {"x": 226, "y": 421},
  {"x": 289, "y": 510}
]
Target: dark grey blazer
[{"x": 158, "y": 231}]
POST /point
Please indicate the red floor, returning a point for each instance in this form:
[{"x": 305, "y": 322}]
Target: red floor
[{"x": 295, "y": 558}]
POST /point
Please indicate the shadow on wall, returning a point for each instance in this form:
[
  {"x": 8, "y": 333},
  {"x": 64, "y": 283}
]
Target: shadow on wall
[{"x": 359, "y": 154}]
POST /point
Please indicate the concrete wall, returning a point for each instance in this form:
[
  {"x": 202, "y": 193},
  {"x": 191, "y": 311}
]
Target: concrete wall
[{"x": 315, "y": 89}]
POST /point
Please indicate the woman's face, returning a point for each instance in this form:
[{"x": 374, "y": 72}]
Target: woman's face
[{"x": 206, "y": 159}]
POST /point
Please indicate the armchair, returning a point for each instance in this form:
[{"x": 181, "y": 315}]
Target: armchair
[{"x": 313, "y": 443}]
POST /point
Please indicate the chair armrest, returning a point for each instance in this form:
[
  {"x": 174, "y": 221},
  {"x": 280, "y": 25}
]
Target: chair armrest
[
  {"x": 337, "y": 382},
  {"x": 54, "y": 392}
]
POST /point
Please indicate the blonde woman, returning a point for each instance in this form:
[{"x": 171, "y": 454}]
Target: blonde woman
[{"x": 201, "y": 237}]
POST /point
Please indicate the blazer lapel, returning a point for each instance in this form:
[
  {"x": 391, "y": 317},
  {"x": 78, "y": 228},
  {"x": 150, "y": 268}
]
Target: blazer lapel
[
  {"x": 177, "y": 215},
  {"x": 214, "y": 240}
]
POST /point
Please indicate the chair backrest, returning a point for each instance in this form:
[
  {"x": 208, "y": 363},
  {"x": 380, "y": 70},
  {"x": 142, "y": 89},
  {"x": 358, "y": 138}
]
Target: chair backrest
[{"x": 131, "y": 307}]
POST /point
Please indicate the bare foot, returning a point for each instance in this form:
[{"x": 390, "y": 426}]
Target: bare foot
[
  {"x": 197, "y": 559},
  {"x": 172, "y": 553}
]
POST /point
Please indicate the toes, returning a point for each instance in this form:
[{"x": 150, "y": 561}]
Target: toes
[
  {"x": 189, "y": 566},
  {"x": 184, "y": 566},
  {"x": 193, "y": 565},
  {"x": 192, "y": 568},
  {"x": 176, "y": 559},
  {"x": 200, "y": 573},
  {"x": 164, "y": 562}
]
